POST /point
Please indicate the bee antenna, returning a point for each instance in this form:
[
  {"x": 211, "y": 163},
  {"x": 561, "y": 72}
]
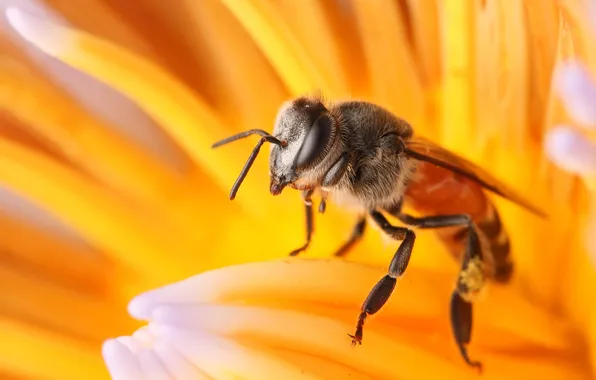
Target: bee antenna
[
  {"x": 251, "y": 159},
  {"x": 242, "y": 135}
]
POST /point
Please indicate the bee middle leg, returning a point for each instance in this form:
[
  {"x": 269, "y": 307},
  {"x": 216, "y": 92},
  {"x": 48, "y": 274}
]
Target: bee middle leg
[
  {"x": 306, "y": 196},
  {"x": 357, "y": 233},
  {"x": 470, "y": 280},
  {"x": 383, "y": 289}
]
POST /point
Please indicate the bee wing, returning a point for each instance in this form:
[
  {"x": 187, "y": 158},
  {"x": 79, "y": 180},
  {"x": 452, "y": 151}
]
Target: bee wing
[{"x": 422, "y": 149}]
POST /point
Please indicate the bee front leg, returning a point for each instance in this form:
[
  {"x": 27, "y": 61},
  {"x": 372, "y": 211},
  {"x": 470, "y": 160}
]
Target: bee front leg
[
  {"x": 383, "y": 289},
  {"x": 306, "y": 195},
  {"x": 323, "y": 204}
]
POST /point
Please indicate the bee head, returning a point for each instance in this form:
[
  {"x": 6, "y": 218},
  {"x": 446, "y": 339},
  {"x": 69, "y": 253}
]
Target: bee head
[{"x": 309, "y": 130}]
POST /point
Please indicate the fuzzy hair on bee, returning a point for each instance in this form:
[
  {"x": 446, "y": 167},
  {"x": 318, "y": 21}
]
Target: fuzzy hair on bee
[
  {"x": 358, "y": 140},
  {"x": 364, "y": 157}
]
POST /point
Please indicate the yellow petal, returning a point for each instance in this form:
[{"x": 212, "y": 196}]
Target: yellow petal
[
  {"x": 501, "y": 78},
  {"x": 34, "y": 353},
  {"x": 82, "y": 139},
  {"x": 79, "y": 266},
  {"x": 393, "y": 76},
  {"x": 98, "y": 217},
  {"x": 297, "y": 70},
  {"x": 424, "y": 21},
  {"x": 459, "y": 73},
  {"x": 50, "y": 305},
  {"x": 543, "y": 25},
  {"x": 310, "y": 27},
  {"x": 230, "y": 87},
  {"x": 189, "y": 121},
  {"x": 100, "y": 18},
  {"x": 52, "y": 117}
]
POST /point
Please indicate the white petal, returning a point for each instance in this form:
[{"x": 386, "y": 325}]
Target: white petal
[
  {"x": 592, "y": 15},
  {"x": 121, "y": 362},
  {"x": 151, "y": 365},
  {"x": 31, "y": 29},
  {"x": 223, "y": 359},
  {"x": 128, "y": 342},
  {"x": 100, "y": 99},
  {"x": 577, "y": 90},
  {"x": 571, "y": 151},
  {"x": 176, "y": 364},
  {"x": 290, "y": 278},
  {"x": 143, "y": 337},
  {"x": 201, "y": 288}
]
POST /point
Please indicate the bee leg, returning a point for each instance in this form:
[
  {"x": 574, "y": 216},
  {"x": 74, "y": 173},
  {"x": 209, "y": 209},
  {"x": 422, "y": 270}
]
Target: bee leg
[
  {"x": 470, "y": 280},
  {"x": 336, "y": 171},
  {"x": 461, "y": 325},
  {"x": 357, "y": 233},
  {"x": 383, "y": 289},
  {"x": 323, "y": 204},
  {"x": 306, "y": 195}
]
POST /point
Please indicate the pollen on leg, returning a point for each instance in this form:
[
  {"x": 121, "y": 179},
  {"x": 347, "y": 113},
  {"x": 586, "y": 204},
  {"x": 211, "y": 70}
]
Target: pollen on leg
[{"x": 471, "y": 278}]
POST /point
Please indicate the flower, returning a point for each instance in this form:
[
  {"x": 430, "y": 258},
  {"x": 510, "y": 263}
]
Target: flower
[{"x": 139, "y": 210}]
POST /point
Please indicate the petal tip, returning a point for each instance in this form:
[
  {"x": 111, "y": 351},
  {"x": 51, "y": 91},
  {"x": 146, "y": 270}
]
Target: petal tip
[
  {"x": 574, "y": 84},
  {"x": 139, "y": 308},
  {"x": 571, "y": 151},
  {"x": 109, "y": 347},
  {"x": 120, "y": 361},
  {"x": 35, "y": 30}
]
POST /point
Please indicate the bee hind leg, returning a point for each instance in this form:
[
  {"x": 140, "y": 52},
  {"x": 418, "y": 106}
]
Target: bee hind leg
[
  {"x": 470, "y": 280},
  {"x": 461, "y": 324},
  {"x": 383, "y": 289}
]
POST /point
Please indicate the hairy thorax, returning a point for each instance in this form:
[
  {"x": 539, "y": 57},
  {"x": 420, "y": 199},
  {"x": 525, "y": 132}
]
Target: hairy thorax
[
  {"x": 378, "y": 169},
  {"x": 382, "y": 186}
]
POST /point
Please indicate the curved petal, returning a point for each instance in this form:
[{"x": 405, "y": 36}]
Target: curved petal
[
  {"x": 571, "y": 150},
  {"x": 82, "y": 139},
  {"x": 158, "y": 92},
  {"x": 503, "y": 75},
  {"x": 394, "y": 78},
  {"x": 308, "y": 307},
  {"x": 262, "y": 20},
  {"x": 104, "y": 221},
  {"x": 577, "y": 89},
  {"x": 457, "y": 94},
  {"x": 62, "y": 357}
]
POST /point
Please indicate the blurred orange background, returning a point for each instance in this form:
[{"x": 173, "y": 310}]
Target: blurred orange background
[{"x": 109, "y": 187}]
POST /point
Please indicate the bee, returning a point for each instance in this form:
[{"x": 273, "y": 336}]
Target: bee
[{"x": 361, "y": 155}]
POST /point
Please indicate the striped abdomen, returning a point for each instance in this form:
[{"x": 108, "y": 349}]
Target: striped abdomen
[{"x": 438, "y": 191}]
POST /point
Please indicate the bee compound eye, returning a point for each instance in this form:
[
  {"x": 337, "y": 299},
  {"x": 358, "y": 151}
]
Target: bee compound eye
[{"x": 315, "y": 142}]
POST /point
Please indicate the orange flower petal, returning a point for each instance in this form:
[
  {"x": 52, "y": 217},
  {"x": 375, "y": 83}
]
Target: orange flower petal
[
  {"x": 52, "y": 353},
  {"x": 297, "y": 70},
  {"x": 459, "y": 73},
  {"x": 308, "y": 306},
  {"x": 96, "y": 215},
  {"x": 177, "y": 109},
  {"x": 394, "y": 80}
]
